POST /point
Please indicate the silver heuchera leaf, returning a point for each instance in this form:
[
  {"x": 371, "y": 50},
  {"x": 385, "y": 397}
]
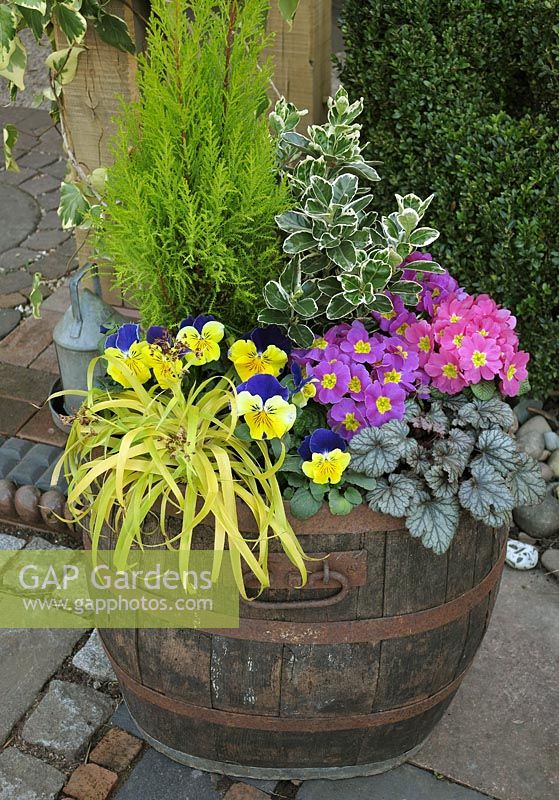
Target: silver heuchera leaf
[
  {"x": 434, "y": 521},
  {"x": 498, "y": 450},
  {"x": 371, "y": 454},
  {"x": 526, "y": 483},
  {"x": 376, "y": 451},
  {"x": 439, "y": 482},
  {"x": 453, "y": 452},
  {"x": 486, "y": 414},
  {"x": 485, "y": 493},
  {"x": 396, "y": 495}
]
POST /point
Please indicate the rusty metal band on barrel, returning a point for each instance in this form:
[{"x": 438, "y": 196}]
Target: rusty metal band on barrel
[
  {"x": 230, "y": 719},
  {"x": 368, "y": 631},
  {"x": 365, "y": 630}
]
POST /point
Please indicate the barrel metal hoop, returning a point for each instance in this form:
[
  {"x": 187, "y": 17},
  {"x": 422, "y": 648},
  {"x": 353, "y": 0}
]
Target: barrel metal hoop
[
  {"x": 283, "y": 724},
  {"x": 365, "y": 630}
]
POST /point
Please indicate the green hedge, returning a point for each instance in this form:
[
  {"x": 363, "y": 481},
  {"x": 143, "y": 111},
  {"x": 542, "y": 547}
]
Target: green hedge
[{"x": 462, "y": 98}]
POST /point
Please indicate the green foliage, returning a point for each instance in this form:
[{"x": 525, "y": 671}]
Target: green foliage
[
  {"x": 154, "y": 454},
  {"x": 453, "y": 454},
  {"x": 306, "y": 498},
  {"x": 193, "y": 192},
  {"x": 342, "y": 255},
  {"x": 71, "y": 16},
  {"x": 462, "y": 99}
]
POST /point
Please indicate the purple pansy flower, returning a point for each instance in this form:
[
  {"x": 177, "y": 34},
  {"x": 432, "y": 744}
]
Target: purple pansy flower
[
  {"x": 157, "y": 334},
  {"x": 127, "y": 335},
  {"x": 196, "y": 322},
  {"x": 264, "y": 386},
  {"x": 320, "y": 441},
  {"x": 271, "y": 334}
]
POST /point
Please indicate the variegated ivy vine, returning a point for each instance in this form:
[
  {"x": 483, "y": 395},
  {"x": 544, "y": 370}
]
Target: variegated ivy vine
[
  {"x": 342, "y": 255},
  {"x": 455, "y": 453}
]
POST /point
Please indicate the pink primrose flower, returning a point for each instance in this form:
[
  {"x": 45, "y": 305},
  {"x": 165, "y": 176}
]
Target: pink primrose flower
[
  {"x": 444, "y": 370},
  {"x": 513, "y": 372},
  {"x": 480, "y": 358}
]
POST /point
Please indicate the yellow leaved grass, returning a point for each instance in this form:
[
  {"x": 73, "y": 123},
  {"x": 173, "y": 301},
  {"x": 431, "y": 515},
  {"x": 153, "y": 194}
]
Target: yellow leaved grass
[{"x": 144, "y": 451}]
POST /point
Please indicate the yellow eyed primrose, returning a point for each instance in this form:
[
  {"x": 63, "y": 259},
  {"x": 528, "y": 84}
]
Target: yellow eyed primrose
[
  {"x": 263, "y": 402},
  {"x": 125, "y": 348},
  {"x": 201, "y": 335},
  {"x": 264, "y": 352},
  {"x": 324, "y": 456}
]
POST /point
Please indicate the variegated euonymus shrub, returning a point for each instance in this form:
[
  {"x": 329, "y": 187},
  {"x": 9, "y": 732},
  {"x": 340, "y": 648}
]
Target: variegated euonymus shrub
[
  {"x": 452, "y": 454},
  {"x": 342, "y": 254}
]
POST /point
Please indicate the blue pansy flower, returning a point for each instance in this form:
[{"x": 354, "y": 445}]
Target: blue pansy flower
[{"x": 324, "y": 456}]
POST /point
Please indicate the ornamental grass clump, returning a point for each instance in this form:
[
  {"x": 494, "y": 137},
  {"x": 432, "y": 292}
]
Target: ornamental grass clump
[{"x": 389, "y": 386}]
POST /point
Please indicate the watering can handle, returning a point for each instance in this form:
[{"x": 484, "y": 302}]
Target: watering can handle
[{"x": 74, "y": 294}]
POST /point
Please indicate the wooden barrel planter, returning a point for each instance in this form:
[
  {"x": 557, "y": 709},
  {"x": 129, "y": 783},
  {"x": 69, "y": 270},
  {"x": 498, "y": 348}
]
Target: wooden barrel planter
[{"x": 347, "y": 677}]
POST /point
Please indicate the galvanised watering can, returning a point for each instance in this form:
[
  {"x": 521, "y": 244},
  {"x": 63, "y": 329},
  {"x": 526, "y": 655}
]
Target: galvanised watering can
[{"x": 78, "y": 334}]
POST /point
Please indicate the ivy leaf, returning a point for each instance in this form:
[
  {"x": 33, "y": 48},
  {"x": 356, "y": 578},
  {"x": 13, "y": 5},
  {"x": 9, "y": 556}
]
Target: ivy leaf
[
  {"x": 64, "y": 64},
  {"x": 288, "y": 9},
  {"x": 35, "y": 5},
  {"x": 375, "y": 451},
  {"x": 73, "y": 206},
  {"x": 35, "y": 19},
  {"x": 337, "y": 503},
  {"x": 14, "y": 68},
  {"x": 7, "y": 29},
  {"x": 396, "y": 495},
  {"x": 498, "y": 450},
  {"x": 114, "y": 31},
  {"x": 453, "y": 453},
  {"x": 71, "y": 22},
  {"x": 485, "y": 493},
  {"x": 526, "y": 483},
  {"x": 434, "y": 521},
  {"x": 484, "y": 390},
  {"x": 10, "y": 137},
  {"x": 304, "y": 505}
]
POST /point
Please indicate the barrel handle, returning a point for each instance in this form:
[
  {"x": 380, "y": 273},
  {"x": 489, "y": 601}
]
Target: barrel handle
[{"x": 315, "y": 578}]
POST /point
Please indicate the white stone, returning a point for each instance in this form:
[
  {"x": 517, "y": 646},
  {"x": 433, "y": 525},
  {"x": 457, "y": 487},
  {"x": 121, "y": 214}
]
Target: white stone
[
  {"x": 93, "y": 660},
  {"x": 521, "y": 555}
]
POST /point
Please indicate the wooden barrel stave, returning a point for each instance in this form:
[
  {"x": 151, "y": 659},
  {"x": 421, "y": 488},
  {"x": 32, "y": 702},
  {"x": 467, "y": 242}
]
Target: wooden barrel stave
[{"x": 260, "y": 698}]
